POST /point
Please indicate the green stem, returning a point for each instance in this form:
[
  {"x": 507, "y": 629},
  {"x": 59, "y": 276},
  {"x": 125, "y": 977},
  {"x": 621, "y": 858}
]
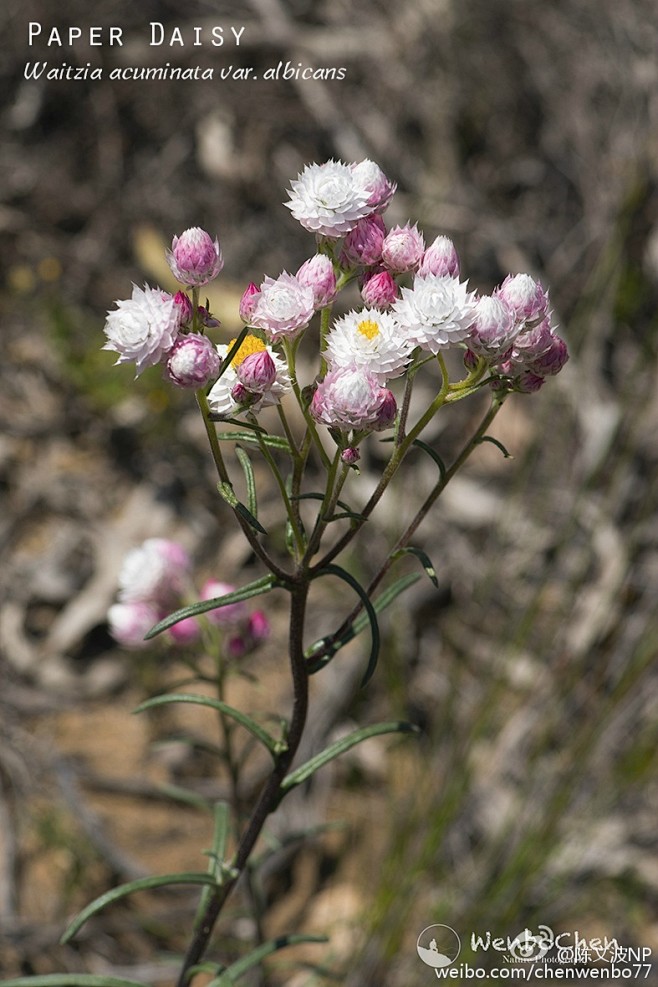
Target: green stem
[
  {"x": 270, "y": 795},
  {"x": 276, "y": 473},
  {"x": 291, "y": 355}
]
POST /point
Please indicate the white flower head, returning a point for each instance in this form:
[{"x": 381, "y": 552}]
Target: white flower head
[
  {"x": 283, "y": 307},
  {"x": 129, "y": 623},
  {"x": 352, "y": 398},
  {"x": 436, "y": 313},
  {"x": 330, "y": 198},
  {"x": 220, "y": 396},
  {"x": 154, "y": 572},
  {"x": 370, "y": 339},
  {"x": 143, "y": 328}
]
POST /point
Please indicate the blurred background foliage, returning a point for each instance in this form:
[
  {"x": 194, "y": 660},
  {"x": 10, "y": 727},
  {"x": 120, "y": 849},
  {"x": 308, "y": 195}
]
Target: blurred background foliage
[{"x": 526, "y": 131}]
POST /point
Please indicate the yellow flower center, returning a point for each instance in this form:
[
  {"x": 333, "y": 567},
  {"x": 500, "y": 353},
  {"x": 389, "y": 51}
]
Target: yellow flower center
[
  {"x": 249, "y": 345},
  {"x": 368, "y": 328}
]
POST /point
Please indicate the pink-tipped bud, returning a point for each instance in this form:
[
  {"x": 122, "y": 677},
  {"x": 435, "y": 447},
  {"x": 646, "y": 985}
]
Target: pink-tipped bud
[
  {"x": 388, "y": 410},
  {"x": 374, "y": 182},
  {"x": 186, "y": 631},
  {"x": 440, "y": 259},
  {"x": 379, "y": 290},
  {"x": 532, "y": 343},
  {"x": 257, "y": 372},
  {"x": 494, "y": 328},
  {"x": 185, "y": 306},
  {"x": 470, "y": 360},
  {"x": 231, "y": 613},
  {"x": 248, "y": 301},
  {"x": 195, "y": 258},
  {"x": 242, "y": 396},
  {"x": 258, "y": 626},
  {"x": 318, "y": 274},
  {"x": 403, "y": 248},
  {"x": 528, "y": 383},
  {"x": 193, "y": 361},
  {"x": 350, "y": 456},
  {"x": 363, "y": 244},
  {"x": 525, "y": 296},
  {"x": 552, "y": 360}
]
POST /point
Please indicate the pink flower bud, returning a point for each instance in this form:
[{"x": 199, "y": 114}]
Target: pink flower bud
[
  {"x": 379, "y": 290},
  {"x": 318, "y": 274},
  {"x": 243, "y": 397},
  {"x": 258, "y": 626},
  {"x": 229, "y": 614},
  {"x": 388, "y": 409},
  {"x": 195, "y": 258},
  {"x": 525, "y": 296},
  {"x": 363, "y": 245},
  {"x": 185, "y": 631},
  {"x": 403, "y": 248},
  {"x": 350, "y": 456},
  {"x": 532, "y": 343},
  {"x": 470, "y": 360},
  {"x": 552, "y": 360},
  {"x": 374, "y": 182},
  {"x": 193, "y": 361},
  {"x": 494, "y": 328},
  {"x": 440, "y": 259},
  {"x": 130, "y": 622},
  {"x": 257, "y": 372},
  {"x": 154, "y": 573},
  {"x": 185, "y": 305},
  {"x": 248, "y": 301},
  {"x": 528, "y": 383}
]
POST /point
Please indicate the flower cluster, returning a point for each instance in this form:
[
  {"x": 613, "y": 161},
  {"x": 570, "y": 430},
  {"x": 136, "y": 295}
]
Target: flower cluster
[
  {"x": 154, "y": 579},
  {"x": 415, "y": 305}
]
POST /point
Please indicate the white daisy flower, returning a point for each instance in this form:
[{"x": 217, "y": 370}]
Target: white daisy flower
[
  {"x": 329, "y": 198},
  {"x": 220, "y": 396},
  {"x": 436, "y": 313},
  {"x": 371, "y": 340},
  {"x": 143, "y": 328}
]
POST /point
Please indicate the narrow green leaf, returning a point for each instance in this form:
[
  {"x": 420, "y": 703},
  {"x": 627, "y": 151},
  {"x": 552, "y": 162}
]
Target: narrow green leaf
[
  {"x": 217, "y": 855},
  {"x": 498, "y": 444},
  {"x": 359, "y": 624},
  {"x": 249, "y": 518},
  {"x": 70, "y": 980},
  {"x": 248, "y": 470},
  {"x": 340, "y": 746},
  {"x": 336, "y": 570},
  {"x": 142, "y": 884},
  {"x": 236, "y": 970},
  {"x": 228, "y": 494},
  {"x": 348, "y": 512},
  {"x": 424, "y": 559},
  {"x": 256, "y": 588},
  {"x": 273, "y": 746},
  {"x": 428, "y": 449},
  {"x": 251, "y": 438}
]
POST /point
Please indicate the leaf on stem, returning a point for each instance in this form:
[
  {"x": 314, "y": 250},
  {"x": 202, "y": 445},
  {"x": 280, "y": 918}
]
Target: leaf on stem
[
  {"x": 305, "y": 771},
  {"x": 227, "y": 359},
  {"x": 424, "y": 559},
  {"x": 327, "y": 647},
  {"x": 336, "y": 570},
  {"x": 236, "y": 970},
  {"x": 497, "y": 443},
  {"x": 228, "y": 493},
  {"x": 274, "y": 441},
  {"x": 432, "y": 453},
  {"x": 256, "y": 588},
  {"x": 217, "y": 855},
  {"x": 274, "y": 746},
  {"x": 142, "y": 884},
  {"x": 348, "y": 512},
  {"x": 248, "y": 470}
]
